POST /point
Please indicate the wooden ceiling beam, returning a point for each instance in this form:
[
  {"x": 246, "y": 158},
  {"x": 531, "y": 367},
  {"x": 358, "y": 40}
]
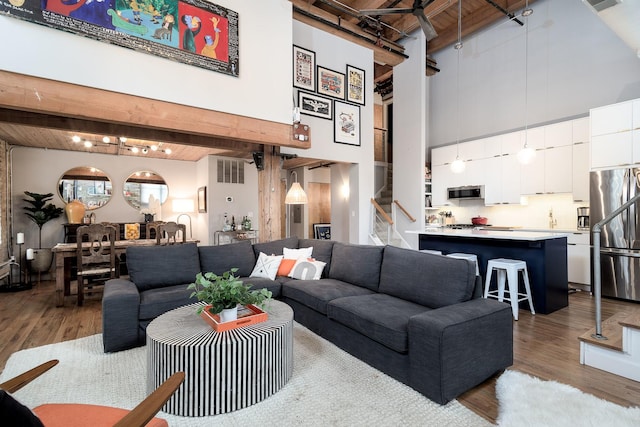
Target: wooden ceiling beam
[
  {"x": 55, "y": 98},
  {"x": 387, "y": 53}
]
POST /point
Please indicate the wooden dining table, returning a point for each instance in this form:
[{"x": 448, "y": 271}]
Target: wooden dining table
[{"x": 66, "y": 252}]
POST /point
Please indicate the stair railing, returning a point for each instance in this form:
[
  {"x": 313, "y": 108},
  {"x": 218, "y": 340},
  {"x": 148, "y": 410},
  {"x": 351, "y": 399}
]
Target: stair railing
[
  {"x": 380, "y": 218},
  {"x": 404, "y": 211},
  {"x": 597, "y": 274}
]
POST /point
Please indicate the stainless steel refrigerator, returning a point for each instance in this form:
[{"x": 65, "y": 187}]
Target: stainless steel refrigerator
[{"x": 620, "y": 239}]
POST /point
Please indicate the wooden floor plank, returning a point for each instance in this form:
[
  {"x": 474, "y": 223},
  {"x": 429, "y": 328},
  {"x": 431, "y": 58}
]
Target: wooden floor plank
[{"x": 545, "y": 346}]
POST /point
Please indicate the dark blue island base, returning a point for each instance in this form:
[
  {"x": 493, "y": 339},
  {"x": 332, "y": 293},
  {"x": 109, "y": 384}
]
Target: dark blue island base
[{"x": 546, "y": 262}]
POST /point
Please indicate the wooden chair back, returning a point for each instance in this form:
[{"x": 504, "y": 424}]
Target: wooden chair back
[
  {"x": 96, "y": 254},
  {"x": 152, "y": 229},
  {"x": 172, "y": 232}
]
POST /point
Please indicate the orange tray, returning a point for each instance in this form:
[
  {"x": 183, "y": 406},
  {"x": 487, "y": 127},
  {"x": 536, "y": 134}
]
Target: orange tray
[{"x": 249, "y": 315}]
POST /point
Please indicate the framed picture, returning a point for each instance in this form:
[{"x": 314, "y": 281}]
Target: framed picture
[
  {"x": 346, "y": 123},
  {"x": 304, "y": 68},
  {"x": 355, "y": 85},
  {"x": 322, "y": 231},
  {"x": 330, "y": 83},
  {"x": 202, "y": 199},
  {"x": 314, "y": 105}
]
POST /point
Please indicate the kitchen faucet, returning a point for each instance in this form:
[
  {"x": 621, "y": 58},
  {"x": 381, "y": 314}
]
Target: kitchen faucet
[{"x": 552, "y": 221}]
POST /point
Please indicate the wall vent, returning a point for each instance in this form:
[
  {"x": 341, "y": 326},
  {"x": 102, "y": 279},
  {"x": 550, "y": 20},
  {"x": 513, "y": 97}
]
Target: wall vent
[{"x": 231, "y": 171}]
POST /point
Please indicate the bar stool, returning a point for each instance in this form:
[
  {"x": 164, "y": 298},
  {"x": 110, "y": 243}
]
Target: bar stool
[
  {"x": 470, "y": 257},
  {"x": 508, "y": 269}
]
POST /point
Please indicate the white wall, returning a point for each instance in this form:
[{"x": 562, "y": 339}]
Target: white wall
[
  {"x": 575, "y": 63},
  {"x": 409, "y": 136},
  {"x": 335, "y": 53},
  {"x": 265, "y": 64},
  {"x": 39, "y": 170}
]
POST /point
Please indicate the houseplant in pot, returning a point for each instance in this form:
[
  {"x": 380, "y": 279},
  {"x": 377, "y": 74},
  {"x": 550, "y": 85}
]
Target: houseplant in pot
[
  {"x": 223, "y": 293},
  {"x": 40, "y": 212}
]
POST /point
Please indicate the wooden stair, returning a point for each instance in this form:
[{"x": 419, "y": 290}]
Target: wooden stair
[{"x": 620, "y": 352}]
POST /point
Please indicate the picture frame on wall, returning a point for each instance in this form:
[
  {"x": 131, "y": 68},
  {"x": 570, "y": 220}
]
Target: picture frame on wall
[
  {"x": 355, "y": 85},
  {"x": 202, "y": 199},
  {"x": 314, "y": 105},
  {"x": 346, "y": 123},
  {"x": 322, "y": 231},
  {"x": 330, "y": 83},
  {"x": 304, "y": 68}
]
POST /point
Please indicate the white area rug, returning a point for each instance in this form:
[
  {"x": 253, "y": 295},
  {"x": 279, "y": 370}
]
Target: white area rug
[
  {"x": 329, "y": 388},
  {"x": 529, "y": 401}
]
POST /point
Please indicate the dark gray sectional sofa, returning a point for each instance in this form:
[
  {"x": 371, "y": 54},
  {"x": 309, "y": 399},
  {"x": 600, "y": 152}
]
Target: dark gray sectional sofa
[{"x": 416, "y": 316}]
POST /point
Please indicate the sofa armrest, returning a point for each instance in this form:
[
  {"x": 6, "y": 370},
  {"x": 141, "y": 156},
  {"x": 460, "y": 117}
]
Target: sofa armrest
[
  {"x": 454, "y": 348},
  {"x": 120, "y": 307}
]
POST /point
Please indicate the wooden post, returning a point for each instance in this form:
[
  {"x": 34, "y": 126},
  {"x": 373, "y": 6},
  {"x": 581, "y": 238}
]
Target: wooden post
[{"x": 270, "y": 209}]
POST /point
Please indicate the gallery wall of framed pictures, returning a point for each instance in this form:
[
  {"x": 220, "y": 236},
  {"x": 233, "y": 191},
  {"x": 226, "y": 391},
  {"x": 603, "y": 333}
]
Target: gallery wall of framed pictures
[{"x": 330, "y": 94}]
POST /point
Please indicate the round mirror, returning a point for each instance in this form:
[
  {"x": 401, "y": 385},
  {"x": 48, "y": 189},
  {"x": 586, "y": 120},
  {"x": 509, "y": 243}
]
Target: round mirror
[
  {"x": 89, "y": 185},
  {"x": 145, "y": 190}
]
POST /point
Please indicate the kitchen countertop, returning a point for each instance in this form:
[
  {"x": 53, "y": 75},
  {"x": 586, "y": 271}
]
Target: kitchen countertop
[{"x": 489, "y": 234}]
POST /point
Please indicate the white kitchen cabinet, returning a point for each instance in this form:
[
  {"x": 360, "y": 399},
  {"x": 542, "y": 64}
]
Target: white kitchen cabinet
[
  {"x": 580, "y": 130},
  {"x": 493, "y": 146},
  {"x": 535, "y": 137},
  {"x": 580, "y": 181},
  {"x": 502, "y": 180},
  {"x": 443, "y": 155},
  {"x": 532, "y": 175},
  {"x": 440, "y": 178},
  {"x": 611, "y": 118},
  {"x": 636, "y": 114},
  {"x": 558, "y": 169},
  {"x": 635, "y": 135},
  {"x": 472, "y": 150},
  {"x": 558, "y": 134},
  {"x": 579, "y": 258},
  {"x": 512, "y": 142},
  {"x": 611, "y": 150}
]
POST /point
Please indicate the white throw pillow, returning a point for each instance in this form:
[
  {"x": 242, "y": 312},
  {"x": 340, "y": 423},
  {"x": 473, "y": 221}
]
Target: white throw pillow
[
  {"x": 297, "y": 253},
  {"x": 307, "y": 269},
  {"x": 266, "y": 266}
]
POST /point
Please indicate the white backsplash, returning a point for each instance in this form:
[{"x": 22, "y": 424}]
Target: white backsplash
[{"x": 533, "y": 215}]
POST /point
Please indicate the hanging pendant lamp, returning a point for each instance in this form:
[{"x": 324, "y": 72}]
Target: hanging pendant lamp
[
  {"x": 296, "y": 195},
  {"x": 458, "y": 165},
  {"x": 527, "y": 154}
]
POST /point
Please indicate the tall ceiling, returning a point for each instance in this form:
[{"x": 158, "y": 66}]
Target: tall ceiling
[{"x": 382, "y": 33}]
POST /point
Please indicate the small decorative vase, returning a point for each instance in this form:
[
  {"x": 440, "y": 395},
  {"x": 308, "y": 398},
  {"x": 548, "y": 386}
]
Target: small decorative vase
[
  {"x": 229, "y": 314},
  {"x": 75, "y": 211},
  {"x": 42, "y": 259},
  {"x": 148, "y": 217}
]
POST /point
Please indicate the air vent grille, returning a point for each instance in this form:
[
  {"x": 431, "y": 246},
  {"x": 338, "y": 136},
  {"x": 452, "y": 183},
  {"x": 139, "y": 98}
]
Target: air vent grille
[{"x": 231, "y": 171}]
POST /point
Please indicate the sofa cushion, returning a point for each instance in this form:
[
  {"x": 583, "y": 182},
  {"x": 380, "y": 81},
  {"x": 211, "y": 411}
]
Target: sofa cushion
[
  {"x": 158, "y": 266},
  {"x": 261, "y": 283},
  {"x": 307, "y": 269},
  {"x": 426, "y": 279},
  {"x": 322, "y": 250},
  {"x": 276, "y": 247},
  {"x": 356, "y": 264},
  {"x": 218, "y": 259},
  {"x": 154, "y": 302},
  {"x": 316, "y": 294},
  {"x": 381, "y": 317},
  {"x": 266, "y": 266}
]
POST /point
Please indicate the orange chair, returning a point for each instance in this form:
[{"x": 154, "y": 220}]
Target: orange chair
[{"x": 81, "y": 415}]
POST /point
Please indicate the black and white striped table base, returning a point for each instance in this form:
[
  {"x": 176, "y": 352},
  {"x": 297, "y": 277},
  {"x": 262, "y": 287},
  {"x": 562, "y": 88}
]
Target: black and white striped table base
[{"x": 224, "y": 371}]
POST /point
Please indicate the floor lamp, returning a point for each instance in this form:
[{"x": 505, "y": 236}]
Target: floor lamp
[{"x": 184, "y": 207}]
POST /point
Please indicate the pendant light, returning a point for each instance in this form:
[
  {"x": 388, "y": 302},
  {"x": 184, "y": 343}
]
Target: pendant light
[
  {"x": 458, "y": 166},
  {"x": 295, "y": 195},
  {"x": 526, "y": 154}
]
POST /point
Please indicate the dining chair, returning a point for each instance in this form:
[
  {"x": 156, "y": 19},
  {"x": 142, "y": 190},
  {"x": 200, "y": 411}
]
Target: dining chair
[
  {"x": 152, "y": 229},
  {"x": 96, "y": 256},
  {"x": 171, "y": 232},
  {"x": 76, "y": 414}
]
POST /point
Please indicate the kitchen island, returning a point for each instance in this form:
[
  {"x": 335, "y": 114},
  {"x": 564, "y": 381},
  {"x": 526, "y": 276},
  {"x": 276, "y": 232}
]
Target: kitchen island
[{"x": 544, "y": 253}]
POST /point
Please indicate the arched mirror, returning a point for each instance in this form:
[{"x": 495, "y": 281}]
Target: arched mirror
[
  {"x": 145, "y": 188},
  {"x": 88, "y": 184}
]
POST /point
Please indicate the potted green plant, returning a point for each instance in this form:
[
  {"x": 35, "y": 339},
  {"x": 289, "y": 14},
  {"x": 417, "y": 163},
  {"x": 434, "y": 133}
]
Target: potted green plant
[
  {"x": 223, "y": 293},
  {"x": 40, "y": 212}
]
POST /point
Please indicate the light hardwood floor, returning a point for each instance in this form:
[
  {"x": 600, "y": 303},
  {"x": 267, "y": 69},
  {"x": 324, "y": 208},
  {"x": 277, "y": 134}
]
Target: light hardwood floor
[{"x": 544, "y": 345}]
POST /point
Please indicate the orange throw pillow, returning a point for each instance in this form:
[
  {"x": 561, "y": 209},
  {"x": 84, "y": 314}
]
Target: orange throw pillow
[{"x": 285, "y": 267}]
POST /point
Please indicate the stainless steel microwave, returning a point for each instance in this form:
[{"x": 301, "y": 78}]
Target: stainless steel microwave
[{"x": 466, "y": 192}]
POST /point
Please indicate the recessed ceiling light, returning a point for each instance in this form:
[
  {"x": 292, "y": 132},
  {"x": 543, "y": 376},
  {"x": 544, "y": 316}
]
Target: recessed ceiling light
[
  {"x": 134, "y": 149},
  {"x": 167, "y": 150},
  {"x": 106, "y": 139},
  {"x": 76, "y": 138},
  {"x": 154, "y": 147},
  {"x": 88, "y": 144}
]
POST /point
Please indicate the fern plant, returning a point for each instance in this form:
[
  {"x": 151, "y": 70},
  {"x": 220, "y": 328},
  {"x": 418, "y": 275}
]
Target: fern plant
[{"x": 225, "y": 291}]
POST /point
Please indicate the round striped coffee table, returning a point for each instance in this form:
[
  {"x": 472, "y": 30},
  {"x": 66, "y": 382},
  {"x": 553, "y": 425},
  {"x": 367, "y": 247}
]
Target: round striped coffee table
[{"x": 224, "y": 371}]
